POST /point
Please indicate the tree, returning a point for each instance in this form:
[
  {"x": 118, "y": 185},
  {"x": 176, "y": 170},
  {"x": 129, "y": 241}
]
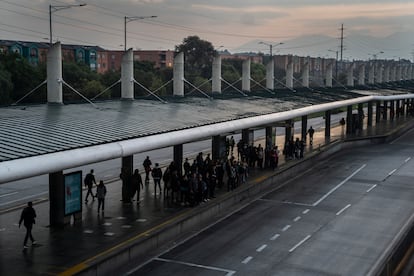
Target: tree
[
  {"x": 6, "y": 86},
  {"x": 198, "y": 55}
]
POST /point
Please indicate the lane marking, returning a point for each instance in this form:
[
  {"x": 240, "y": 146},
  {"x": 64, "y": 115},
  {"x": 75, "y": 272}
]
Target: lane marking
[
  {"x": 109, "y": 234},
  {"x": 260, "y": 249},
  {"x": 275, "y": 237},
  {"x": 286, "y": 228},
  {"x": 370, "y": 189},
  {"x": 297, "y": 203},
  {"x": 248, "y": 259},
  {"x": 393, "y": 171},
  {"x": 299, "y": 244},
  {"x": 408, "y": 159},
  {"x": 228, "y": 272},
  {"x": 297, "y": 218},
  {"x": 88, "y": 231},
  {"x": 338, "y": 186},
  {"x": 9, "y": 194},
  {"x": 306, "y": 211},
  {"x": 23, "y": 198},
  {"x": 343, "y": 209}
]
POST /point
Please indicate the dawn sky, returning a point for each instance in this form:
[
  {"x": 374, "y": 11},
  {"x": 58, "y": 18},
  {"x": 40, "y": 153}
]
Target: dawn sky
[{"x": 227, "y": 23}]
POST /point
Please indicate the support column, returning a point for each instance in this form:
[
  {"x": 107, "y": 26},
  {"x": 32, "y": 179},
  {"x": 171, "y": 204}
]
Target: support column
[
  {"x": 350, "y": 75},
  {"x": 270, "y": 75},
  {"x": 361, "y": 75},
  {"x": 378, "y": 112},
  {"x": 178, "y": 75},
  {"x": 304, "y": 127},
  {"x": 218, "y": 147},
  {"x": 289, "y": 130},
  {"x": 270, "y": 143},
  {"x": 126, "y": 172},
  {"x": 328, "y": 123},
  {"x": 349, "y": 126},
  {"x": 392, "y": 110},
  {"x": 385, "y": 111},
  {"x": 248, "y": 136},
  {"x": 178, "y": 157},
  {"x": 127, "y": 75},
  {"x": 54, "y": 74},
  {"x": 397, "y": 108},
  {"x": 56, "y": 199},
  {"x": 216, "y": 75},
  {"x": 289, "y": 75},
  {"x": 370, "y": 113},
  {"x": 246, "y": 75},
  {"x": 328, "y": 77},
  {"x": 361, "y": 116},
  {"x": 305, "y": 75}
]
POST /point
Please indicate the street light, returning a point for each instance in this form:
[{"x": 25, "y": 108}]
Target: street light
[
  {"x": 58, "y": 8},
  {"x": 129, "y": 19},
  {"x": 271, "y": 46}
]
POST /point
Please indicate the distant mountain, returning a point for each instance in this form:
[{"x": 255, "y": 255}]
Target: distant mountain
[{"x": 356, "y": 46}]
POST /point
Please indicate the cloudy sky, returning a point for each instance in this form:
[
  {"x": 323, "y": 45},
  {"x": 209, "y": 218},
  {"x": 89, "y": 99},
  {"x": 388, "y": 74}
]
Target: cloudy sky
[{"x": 227, "y": 23}]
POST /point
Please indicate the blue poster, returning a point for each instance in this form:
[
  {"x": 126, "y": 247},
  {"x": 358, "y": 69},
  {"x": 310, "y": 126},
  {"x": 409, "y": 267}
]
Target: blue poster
[{"x": 73, "y": 192}]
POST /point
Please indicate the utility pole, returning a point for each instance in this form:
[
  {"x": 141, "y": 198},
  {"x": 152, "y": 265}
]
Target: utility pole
[{"x": 342, "y": 40}]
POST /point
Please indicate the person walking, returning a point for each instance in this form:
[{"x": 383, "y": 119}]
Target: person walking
[
  {"x": 89, "y": 181},
  {"x": 137, "y": 182},
  {"x": 100, "y": 194},
  {"x": 157, "y": 175},
  {"x": 28, "y": 218},
  {"x": 311, "y": 131},
  {"x": 147, "y": 167}
]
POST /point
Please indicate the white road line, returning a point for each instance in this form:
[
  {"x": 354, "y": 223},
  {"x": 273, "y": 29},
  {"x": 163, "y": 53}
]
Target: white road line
[
  {"x": 23, "y": 198},
  {"x": 297, "y": 203},
  {"x": 260, "y": 249},
  {"x": 9, "y": 194},
  {"x": 393, "y": 171},
  {"x": 408, "y": 159},
  {"x": 228, "y": 272},
  {"x": 299, "y": 244},
  {"x": 286, "y": 228},
  {"x": 343, "y": 209},
  {"x": 370, "y": 189},
  {"x": 107, "y": 176},
  {"x": 297, "y": 218},
  {"x": 275, "y": 237},
  {"x": 338, "y": 186},
  {"x": 248, "y": 259},
  {"x": 306, "y": 211}
]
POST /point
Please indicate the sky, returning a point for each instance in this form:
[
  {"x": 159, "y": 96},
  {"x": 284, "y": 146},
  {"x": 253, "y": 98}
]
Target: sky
[{"x": 235, "y": 25}]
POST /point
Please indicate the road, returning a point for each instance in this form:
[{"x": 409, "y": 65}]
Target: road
[
  {"x": 336, "y": 218},
  {"x": 17, "y": 193}
]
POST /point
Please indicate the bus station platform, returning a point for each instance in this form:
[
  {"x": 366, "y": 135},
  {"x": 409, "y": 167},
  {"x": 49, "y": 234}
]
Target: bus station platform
[{"x": 72, "y": 249}]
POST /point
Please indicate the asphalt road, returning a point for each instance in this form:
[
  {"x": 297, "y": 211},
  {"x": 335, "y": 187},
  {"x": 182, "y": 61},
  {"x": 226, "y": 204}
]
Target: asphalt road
[
  {"x": 337, "y": 218},
  {"x": 17, "y": 193}
]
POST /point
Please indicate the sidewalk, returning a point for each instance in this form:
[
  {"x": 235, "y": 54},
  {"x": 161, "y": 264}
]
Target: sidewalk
[{"x": 60, "y": 249}]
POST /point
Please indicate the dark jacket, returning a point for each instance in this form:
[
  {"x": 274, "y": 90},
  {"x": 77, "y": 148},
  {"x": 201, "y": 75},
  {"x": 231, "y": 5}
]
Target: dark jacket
[{"x": 28, "y": 216}]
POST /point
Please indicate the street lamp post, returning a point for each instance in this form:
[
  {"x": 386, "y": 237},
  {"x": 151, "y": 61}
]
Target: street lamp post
[
  {"x": 271, "y": 46},
  {"x": 129, "y": 19},
  {"x": 58, "y": 8}
]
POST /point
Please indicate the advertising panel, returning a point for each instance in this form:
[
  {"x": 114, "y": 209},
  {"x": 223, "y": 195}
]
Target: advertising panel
[{"x": 73, "y": 192}]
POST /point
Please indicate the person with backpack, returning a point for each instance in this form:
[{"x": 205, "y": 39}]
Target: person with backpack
[
  {"x": 89, "y": 181},
  {"x": 100, "y": 194},
  {"x": 147, "y": 167}
]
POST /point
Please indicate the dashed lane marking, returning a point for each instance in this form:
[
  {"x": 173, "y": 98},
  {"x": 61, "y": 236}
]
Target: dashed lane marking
[
  {"x": 343, "y": 209},
  {"x": 393, "y": 171},
  {"x": 297, "y": 218},
  {"x": 248, "y": 259},
  {"x": 9, "y": 194},
  {"x": 370, "y": 189},
  {"x": 126, "y": 226},
  {"x": 299, "y": 244},
  {"x": 107, "y": 224},
  {"x": 408, "y": 159},
  {"x": 261, "y": 248},
  {"x": 109, "y": 234},
  {"x": 141, "y": 220},
  {"x": 274, "y": 237},
  {"x": 88, "y": 231},
  {"x": 305, "y": 211},
  {"x": 286, "y": 228}
]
